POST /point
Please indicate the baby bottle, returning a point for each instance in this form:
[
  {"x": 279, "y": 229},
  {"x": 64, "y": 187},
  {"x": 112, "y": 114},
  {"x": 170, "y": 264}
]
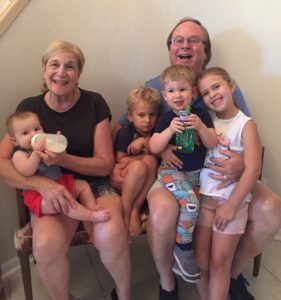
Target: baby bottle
[
  {"x": 56, "y": 143},
  {"x": 185, "y": 140}
]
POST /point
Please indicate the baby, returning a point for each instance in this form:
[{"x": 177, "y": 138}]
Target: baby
[{"x": 27, "y": 159}]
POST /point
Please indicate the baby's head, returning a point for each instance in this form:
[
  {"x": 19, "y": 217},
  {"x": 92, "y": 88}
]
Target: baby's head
[
  {"x": 142, "y": 105},
  {"x": 178, "y": 86},
  {"x": 22, "y": 126}
]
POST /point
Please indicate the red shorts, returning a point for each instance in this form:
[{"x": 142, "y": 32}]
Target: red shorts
[{"x": 32, "y": 199}]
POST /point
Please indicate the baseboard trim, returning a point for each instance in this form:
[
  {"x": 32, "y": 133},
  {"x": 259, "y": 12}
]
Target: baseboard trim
[{"x": 11, "y": 266}]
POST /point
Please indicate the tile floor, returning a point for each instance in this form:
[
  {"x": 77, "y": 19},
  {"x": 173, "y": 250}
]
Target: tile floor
[{"x": 90, "y": 280}]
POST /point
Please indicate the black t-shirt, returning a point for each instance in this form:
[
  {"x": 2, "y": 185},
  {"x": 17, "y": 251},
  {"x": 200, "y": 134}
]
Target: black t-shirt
[
  {"x": 77, "y": 124},
  {"x": 125, "y": 136},
  {"x": 191, "y": 161}
]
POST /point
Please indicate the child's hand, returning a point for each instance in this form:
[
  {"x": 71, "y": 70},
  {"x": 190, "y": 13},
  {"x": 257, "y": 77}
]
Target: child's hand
[
  {"x": 224, "y": 214},
  {"x": 193, "y": 121},
  {"x": 137, "y": 146},
  {"x": 176, "y": 125},
  {"x": 39, "y": 145}
]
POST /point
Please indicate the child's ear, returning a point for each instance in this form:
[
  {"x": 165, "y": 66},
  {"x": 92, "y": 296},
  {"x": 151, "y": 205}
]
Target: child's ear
[
  {"x": 129, "y": 116},
  {"x": 12, "y": 139},
  {"x": 232, "y": 86},
  {"x": 163, "y": 94},
  {"x": 194, "y": 93}
]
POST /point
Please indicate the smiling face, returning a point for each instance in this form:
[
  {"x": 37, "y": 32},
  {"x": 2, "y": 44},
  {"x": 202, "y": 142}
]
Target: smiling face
[
  {"x": 217, "y": 95},
  {"x": 61, "y": 73},
  {"x": 144, "y": 117},
  {"x": 177, "y": 94},
  {"x": 24, "y": 130},
  {"x": 188, "y": 53}
]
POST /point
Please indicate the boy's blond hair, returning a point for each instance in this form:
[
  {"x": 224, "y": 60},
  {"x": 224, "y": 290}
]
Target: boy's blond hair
[
  {"x": 19, "y": 115},
  {"x": 176, "y": 73},
  {"x": 143, "y": 93}
]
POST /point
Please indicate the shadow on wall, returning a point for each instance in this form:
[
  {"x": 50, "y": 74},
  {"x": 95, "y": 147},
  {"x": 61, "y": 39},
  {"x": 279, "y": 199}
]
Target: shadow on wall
[{"x": 244, "y": 58}]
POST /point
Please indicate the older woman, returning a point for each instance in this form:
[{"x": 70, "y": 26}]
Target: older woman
[{"x": 83, "y": 117}]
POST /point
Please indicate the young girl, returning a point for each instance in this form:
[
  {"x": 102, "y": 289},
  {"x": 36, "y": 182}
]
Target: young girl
[
  {"x": 178, "y": 90},
  {"x": 27, "y": 159},
  {"x": 223, "y": 212}
]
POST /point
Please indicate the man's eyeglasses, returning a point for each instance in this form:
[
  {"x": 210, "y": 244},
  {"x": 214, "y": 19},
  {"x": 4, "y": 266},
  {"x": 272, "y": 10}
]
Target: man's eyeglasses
[{"x": 192, "y": 40}]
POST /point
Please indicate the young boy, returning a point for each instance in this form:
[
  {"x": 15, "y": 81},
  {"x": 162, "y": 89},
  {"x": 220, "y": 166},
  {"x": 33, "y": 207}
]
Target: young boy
[
  {"x": 136, "y": 167},
  {"x": 178, "y": 83},
  {"x": 22, "y": 126}
]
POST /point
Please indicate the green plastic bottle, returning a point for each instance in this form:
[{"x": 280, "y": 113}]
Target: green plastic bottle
[{"x": 185, "y": 140}]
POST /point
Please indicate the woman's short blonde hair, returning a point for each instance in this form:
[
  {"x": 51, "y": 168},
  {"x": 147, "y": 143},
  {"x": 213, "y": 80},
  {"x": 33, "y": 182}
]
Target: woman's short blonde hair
[{"x": 62, "y": 46}]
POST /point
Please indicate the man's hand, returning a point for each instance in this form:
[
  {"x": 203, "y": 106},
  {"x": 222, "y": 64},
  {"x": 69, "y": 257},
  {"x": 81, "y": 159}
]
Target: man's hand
[
  {"x": 230, "y": 169},
  {"x": 170, "y": 159}
]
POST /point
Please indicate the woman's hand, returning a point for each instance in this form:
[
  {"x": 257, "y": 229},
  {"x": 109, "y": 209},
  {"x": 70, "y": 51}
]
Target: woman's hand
[
  {"x": 230, "y": 169},
  {"x": 170, "y": 159},
  {"x": 56, "y": 194},
  {"x": 50, "y": 158},
  {"x": 224, "y": 213}
]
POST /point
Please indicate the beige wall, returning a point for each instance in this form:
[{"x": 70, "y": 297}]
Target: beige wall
[{"x": 124, "y": 44}]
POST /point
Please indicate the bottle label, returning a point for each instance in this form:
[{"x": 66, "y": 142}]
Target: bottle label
[{"x": 185, "y": 140}]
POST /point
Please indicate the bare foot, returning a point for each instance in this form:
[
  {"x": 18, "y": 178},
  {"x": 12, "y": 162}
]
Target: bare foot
[{"x": 135, "y": 222}]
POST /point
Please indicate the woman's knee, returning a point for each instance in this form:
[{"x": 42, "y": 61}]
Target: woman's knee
[
  {"x": 51, "y": 237},
  {"x": 110, "y": 234},
  {"x": 46, "y": 249}
]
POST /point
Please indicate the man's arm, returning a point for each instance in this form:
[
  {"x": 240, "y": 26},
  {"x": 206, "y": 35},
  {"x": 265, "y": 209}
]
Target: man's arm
[{"x": 241, "y": 101}]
